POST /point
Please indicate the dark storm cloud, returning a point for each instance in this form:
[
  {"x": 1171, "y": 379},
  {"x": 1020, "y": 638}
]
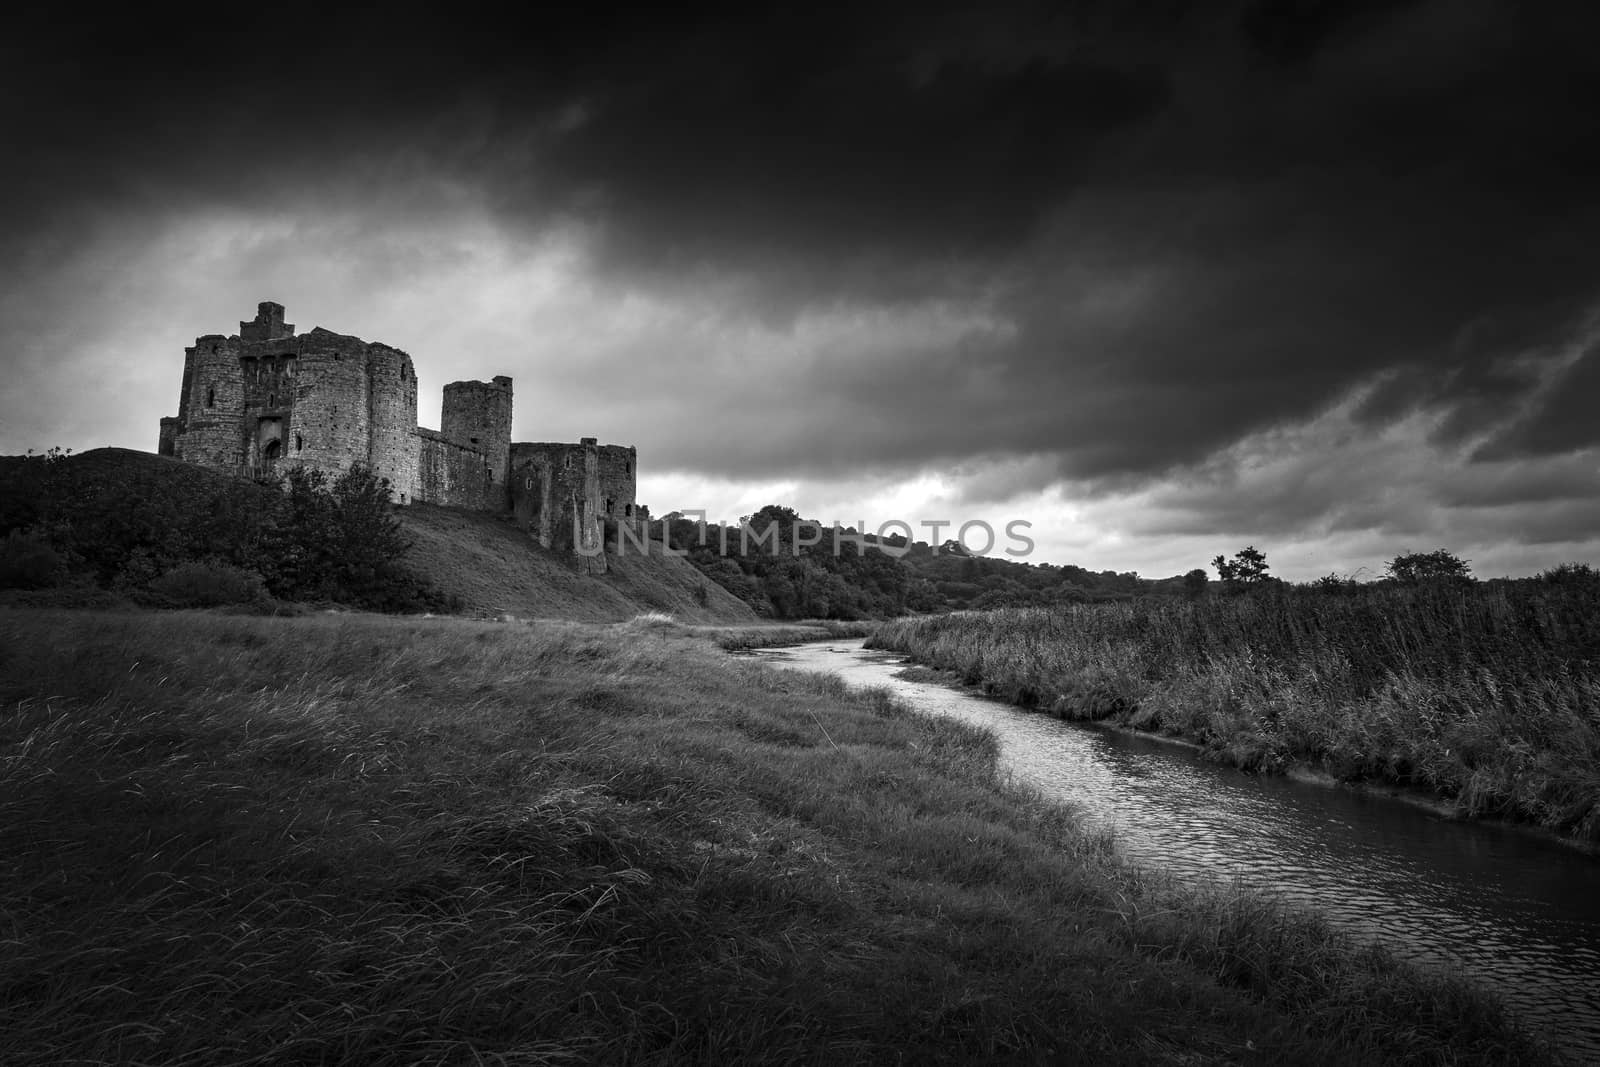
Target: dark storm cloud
[
  {"x": 836, "y": 155},
  {"x": 744, "y": 127},
  {"x": 1401, "y": 194},
  {"x": 1154, "y": 231},
  {"x": 1563, "y": 419}
]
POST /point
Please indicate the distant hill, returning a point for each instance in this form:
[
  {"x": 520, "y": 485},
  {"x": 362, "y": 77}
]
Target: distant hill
[
  {"x": 816, "y": 576},
  {"x": 120, "y": 518}
]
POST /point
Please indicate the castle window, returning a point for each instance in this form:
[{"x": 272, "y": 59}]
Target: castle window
[
  {"x": 299, "y": 442},
  {"x": 272, "y": 400},
  {"x": 211, "y": 397},
  {"x": 627, "y": 511},
  {"x": 474, "y": 440},
  {"x": 627, "y": 466}
]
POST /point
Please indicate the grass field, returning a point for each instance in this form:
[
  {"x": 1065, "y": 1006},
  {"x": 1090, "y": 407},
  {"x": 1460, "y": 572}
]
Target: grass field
[
  {"x": 324, "y": 839},
  {"x": 1486, "y": 695},
  {"x": 496, "y": 569}
]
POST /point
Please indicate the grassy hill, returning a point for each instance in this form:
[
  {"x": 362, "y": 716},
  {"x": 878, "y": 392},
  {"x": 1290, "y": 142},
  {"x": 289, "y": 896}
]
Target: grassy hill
[{"x": 497, "y": 569}]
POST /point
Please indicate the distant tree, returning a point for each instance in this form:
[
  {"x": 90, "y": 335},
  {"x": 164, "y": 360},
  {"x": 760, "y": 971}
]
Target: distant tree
[
  {"x": 786, "y": 518},
  {"x": 1195, "y": 583},
  {"x": 1248, "y": 565},
  {"x": 1572, "y": 574},
  {"x": 1414, "y": 568}
]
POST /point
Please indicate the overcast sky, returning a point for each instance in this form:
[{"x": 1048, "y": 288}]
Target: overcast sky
[{"x": 1320, "y": 278}]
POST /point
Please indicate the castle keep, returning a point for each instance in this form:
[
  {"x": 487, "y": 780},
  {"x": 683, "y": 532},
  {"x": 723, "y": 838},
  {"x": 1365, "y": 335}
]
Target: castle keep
[{"x": 267, "y": 398}]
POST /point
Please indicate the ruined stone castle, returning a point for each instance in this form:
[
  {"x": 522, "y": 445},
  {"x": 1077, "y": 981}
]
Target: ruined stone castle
[{"x": 267, "y": 398}]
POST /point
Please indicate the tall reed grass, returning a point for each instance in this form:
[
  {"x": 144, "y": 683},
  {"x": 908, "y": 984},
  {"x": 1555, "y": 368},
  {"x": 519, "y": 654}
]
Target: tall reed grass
[
  {"x": 233, "y": 840},
  {"x": 1487, "y": 695}
]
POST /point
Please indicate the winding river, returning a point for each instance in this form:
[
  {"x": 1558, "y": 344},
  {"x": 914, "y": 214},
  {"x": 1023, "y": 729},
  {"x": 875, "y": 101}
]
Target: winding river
[{"x": 1505, "y": 907}]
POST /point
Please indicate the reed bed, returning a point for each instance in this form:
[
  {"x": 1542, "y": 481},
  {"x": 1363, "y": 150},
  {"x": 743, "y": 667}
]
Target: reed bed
[
  {"x": 236, "y": 840},
  {"x": 1488, "y": 696}
]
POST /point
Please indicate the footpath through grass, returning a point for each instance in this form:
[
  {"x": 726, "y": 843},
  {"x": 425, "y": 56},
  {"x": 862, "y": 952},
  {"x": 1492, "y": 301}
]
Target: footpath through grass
[
  {"x": 1488, "y": 695},
  {"x": 358, "y": 839}
]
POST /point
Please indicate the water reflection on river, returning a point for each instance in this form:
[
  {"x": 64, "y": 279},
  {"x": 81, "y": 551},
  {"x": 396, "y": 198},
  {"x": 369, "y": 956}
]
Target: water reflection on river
[{"x": 1505, "y": 907}]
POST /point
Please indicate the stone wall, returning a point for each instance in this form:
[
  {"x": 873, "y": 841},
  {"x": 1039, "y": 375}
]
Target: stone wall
[
  {"x": 571, "y": 497},
  {"x": 167, "y": 445},
  {"x": 449, "y": 472},
  {"x": 551, "y": 484}
]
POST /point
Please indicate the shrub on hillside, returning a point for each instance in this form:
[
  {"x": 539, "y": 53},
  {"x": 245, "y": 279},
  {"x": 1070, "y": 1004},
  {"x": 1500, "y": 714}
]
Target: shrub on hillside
[
  {"x": 124, "y": 522},
  {"x": 207, "y": 583},
  {"x": 28, "y": 562},
  {"x": 340, "y": 541}
]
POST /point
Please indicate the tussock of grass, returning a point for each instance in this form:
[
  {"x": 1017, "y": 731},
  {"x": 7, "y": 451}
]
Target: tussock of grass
[
  {"x": 1487, "y": 696},
  {"x": 331, "y": 839}
]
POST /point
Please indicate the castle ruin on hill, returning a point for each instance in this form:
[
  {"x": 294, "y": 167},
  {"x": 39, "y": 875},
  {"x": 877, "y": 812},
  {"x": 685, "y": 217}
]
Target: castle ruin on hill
[{"x": 267, "y": 398}]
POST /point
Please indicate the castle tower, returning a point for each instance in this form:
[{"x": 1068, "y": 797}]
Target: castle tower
[
  {"x": 619, "y": 482},
  {"x": 268, "y": 324},
  {"x": 393, "y": 446},
  {"x": 330, "y": 424},
  {"x": 478, "y": 415},
  {"x": 212, "y": 405}
]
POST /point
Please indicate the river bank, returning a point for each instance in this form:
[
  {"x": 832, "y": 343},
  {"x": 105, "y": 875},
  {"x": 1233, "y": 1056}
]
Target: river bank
[
  {"x": 1484, "y": 699},
  {"x": 388, "y": 839},
  {"x": 1303, "y": 771},
  {"x": 1515, "y": 912}
]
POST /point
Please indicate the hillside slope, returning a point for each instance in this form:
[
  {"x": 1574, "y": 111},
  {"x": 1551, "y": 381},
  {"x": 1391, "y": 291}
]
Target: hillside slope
[{"x": 497, "y": 569}]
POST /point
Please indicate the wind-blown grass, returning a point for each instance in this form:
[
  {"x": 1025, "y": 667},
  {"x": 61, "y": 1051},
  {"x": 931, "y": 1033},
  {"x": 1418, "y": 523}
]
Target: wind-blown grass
[
  {"x": 1489, "y": 696},
  {"x": 357, "y": 839}
]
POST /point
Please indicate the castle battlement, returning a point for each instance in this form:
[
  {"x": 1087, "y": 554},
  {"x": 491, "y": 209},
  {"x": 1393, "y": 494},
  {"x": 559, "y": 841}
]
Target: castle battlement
[
  {"x": 268, "y": 325},
  {"x": 267, "y": 398}
]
